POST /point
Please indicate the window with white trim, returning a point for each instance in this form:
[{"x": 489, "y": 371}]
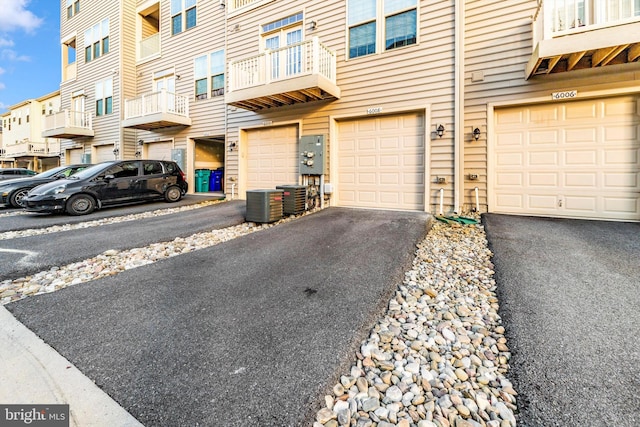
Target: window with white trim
[
  {"x": 104, "y": 97},
  {"x": 208, "y": 72},
  {"x": 183, "y": 15},
  {"x": 379, "y": 25},
  {"x": 96, "y": 41},
  {"x": 73, "y": 8}
]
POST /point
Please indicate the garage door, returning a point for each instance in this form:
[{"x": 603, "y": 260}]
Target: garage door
[
  {"x": 381, "y": 162},
  {"x": 574, "y": 159},
  {"x": 159, "y": 150},
  {"x": 103, "y": 153},
  {"x": 272, "y": 157},
  {"x": 75, "y": 155}
]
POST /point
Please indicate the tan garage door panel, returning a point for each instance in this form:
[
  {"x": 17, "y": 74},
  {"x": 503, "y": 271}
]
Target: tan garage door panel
[
  {"x": 381, "y": 162},
  {"x": 159, "y": 150},
  {"x": 75, "y": 156},
  {"x": 575, "y": 159},
  {"x": 272, "y": 157},
  {"x": 103, "y": 153}
]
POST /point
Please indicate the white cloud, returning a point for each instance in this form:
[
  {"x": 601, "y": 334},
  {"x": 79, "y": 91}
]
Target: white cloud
[
  {"x": 2, "y": 86},
  {"x": 2, "y": 71},
  {"x": 11, "y": 55},
  {"x": 16, "y": 16},
  {"x": 5, "y": 42}
]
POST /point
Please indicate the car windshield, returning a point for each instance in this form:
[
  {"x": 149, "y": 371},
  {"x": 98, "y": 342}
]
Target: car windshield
[
  {"x": 91, "y": 170},
  {"x": 51, "y": 172}
]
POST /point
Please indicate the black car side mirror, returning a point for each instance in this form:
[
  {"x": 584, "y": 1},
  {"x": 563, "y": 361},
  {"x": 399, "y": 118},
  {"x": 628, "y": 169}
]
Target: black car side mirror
[{"x": 109, "y": 177}]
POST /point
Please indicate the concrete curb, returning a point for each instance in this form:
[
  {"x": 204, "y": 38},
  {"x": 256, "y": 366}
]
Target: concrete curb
[{"x": 34, "y": 373}]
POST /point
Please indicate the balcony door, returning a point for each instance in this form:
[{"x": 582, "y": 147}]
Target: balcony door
[
  {"x": 77, "y": 111},
  {"x": 166, "y": 89},
  {"x": 285, "y": 62}
]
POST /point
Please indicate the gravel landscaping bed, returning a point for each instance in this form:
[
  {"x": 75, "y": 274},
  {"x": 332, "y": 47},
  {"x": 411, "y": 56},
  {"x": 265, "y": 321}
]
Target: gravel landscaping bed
[{"x": 438, "y": 357}]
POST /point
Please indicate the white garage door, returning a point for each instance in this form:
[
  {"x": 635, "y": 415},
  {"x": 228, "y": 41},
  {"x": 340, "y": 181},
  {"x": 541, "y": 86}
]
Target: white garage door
[
  {"x": 272, "y": 157},
  {"x": 103, "y": 153},
  {"x": 159, "y": 150},
  {"x": 75, "y": 155},
  {"x": 381, "y": 162},
  {"x": 574, "y": 159}
]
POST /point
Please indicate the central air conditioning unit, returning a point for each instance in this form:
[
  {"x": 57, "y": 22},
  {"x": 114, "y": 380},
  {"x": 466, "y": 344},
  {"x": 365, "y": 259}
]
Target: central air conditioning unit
[
  {"x": 264, "y": 205},
  {"x": 294, "y": 199}
]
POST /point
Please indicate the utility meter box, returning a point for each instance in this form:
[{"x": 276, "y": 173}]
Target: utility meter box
[
  {"x": 313, "y": 155},
  {"x": 85, "y": 158},
  {"x": 178, "y": 156}
]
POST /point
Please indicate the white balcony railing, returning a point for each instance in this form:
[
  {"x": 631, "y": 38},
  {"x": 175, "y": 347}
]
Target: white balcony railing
[
  {"x": 70, "y": 71},
  {"x": 67, "y": 119},
  {"x": 28, "y": 148},
  {"x": 156, "y": 102},
  {"x": 556, "y": 18},
  {"x": 149, "y": 46},
  {"x": 300, "y": 59},
  {"x": 234, "y": 5}
]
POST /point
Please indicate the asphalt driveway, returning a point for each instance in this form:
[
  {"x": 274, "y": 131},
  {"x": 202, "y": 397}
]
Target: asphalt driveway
[
  {"x": 28, "y": 255},
  {"x": 251, "y": 332},
  {"x": 569, "y": 294}
]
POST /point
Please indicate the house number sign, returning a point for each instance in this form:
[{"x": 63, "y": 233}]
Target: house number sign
[
  {"x": 374, "y": 110},
  {"x": 568, "y": 94}
]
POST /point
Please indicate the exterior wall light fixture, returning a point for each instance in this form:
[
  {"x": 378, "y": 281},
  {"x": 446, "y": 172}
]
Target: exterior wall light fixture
[
  {"x": 440, "y": 130},
  {"x": 476, "y": 134}
]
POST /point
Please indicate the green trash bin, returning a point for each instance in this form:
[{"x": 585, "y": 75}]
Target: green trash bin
[{"x": 202, "y": 180}]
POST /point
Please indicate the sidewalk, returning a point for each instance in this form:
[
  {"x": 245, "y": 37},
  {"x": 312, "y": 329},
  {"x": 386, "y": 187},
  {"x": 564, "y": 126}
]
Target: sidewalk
[{"x": 39, "y": 375}]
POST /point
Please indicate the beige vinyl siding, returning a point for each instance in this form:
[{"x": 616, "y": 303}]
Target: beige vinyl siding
[
  {"x": 413, "y": 78},
  {"x": 127, "y": 74},
  {"x": 178, "y": 53},
  {"x": 501, "y": 55},
  {"x": 106, "y": 128}
]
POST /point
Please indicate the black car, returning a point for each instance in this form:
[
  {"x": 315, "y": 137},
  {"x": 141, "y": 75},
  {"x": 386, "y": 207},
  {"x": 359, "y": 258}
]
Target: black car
[
  {"x": 109, "y": 183},
  {"x": 13, "y": 191},
  {"x": 13, "y": 173}
]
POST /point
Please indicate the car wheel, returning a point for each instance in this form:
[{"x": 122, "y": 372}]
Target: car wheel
[
  {"x": 17, "y": 196},
  {"x": 80, "y": 204},
  {"x": 173, "y": 194}
]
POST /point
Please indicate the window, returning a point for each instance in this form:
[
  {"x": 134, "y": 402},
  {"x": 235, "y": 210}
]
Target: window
[
  {"x": 73, "y": 8},
  {"x": 200, "y": 76},
  {"x": 183, "y": 15},
  {"x": 123, "y": 170},
  {"x": 152, "y": 168},
  {"x": 209, "y": 75},
  {"x": 370, "y": 20},
  {"x": 217, "y": 73},
  {"x": 96, "y": 41},
  {"x": 104, "y": 97}
]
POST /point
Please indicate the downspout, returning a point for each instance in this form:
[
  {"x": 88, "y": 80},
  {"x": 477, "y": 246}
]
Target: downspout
[
  {"x": 226, "y": 111},
  {"x": 458, "y": 167}
]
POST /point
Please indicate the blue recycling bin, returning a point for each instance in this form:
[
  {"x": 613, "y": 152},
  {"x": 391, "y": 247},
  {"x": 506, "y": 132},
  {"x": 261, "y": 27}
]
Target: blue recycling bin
[{"x": 215, "y": 180}]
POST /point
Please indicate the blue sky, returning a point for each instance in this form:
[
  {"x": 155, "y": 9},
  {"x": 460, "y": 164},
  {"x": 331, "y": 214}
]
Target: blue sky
[{"x": 29, "y": 50}]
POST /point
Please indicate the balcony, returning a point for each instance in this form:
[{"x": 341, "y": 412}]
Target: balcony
[
  {"x": 31, "y": 148},
  {"x": 574, "y": 35},
  {"x": 297, "y": 73},
  {"x": 149, "y": 47},
  {"x": 242, "y": 5},
  {"x": 67, "y": 124},
  {"x": 156, "y": 110}
]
